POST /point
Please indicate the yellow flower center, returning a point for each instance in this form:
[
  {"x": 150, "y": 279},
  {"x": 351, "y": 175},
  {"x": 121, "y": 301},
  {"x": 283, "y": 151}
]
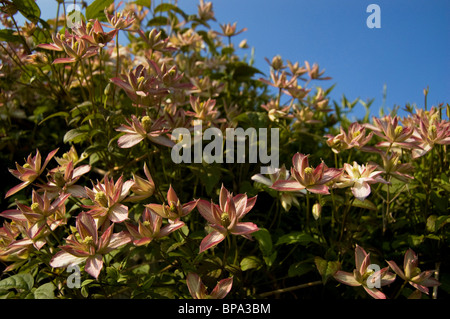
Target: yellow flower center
[
  {"x": 101, "y": 198},
  {"x": 225, "y": 219},
  {"x": 308, "y": 170},
  {"x": 146, "y": 123},
  {"x": 398, "y": 130},
  {"x": 88, "y": 240},
  {"x": 35, "y": 207},
  {"x": 146, "y": 223}
]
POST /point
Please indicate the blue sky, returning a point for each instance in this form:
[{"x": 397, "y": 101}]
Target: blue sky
[{"x": 409, "y": 52}]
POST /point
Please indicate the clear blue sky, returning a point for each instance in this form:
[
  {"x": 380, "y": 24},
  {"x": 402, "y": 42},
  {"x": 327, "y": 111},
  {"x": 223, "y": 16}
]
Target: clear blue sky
[{"x": 409, "y": 52}]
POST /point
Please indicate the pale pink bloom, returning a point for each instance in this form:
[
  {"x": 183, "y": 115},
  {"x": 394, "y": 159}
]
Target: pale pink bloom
[
  {"x": 198, "y": 290},
  {"x": 142, "y": 188},
  {"x": 94, "y": 33},
  {"x": 359, "y": 178},
  {"x": 173, "y": 210},
  {"x": 395, "y": 168},
  {"x": 107, "y": 200},
  {"x": 150, "y": 228},
  {"x": 305, "y": 177},
  {"x": 229, "y": 30},
  {"x": 225, "y": 218},
  {"x": 75, "y": 47},
  {"x": 286, "y": 198},
  {"x": 120, "y": 20},
  {"x": 354, "y": 137},
  {"x": 29, "y": 171},
  {"x": 205, "y": 111},
  {"x": 314, "y": 73},
  {"x": 62, "y": 180},
  {"x": 88, "y": 246},
  {"x": 363, "y": 273},
  {"x": 136, "y": 131},
  {"x": 395, "y": 135},
  {"x": 411, "y": 273},
  {"x": 429, "y": 133},
  {"x": 141, "y": 87}
]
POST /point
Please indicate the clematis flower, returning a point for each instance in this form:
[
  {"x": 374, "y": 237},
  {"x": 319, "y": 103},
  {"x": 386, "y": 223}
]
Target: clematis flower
[
  {"x": 107, "y": 200},
  {"x": 395, "y": 135},
  {"x": 305, "y": 177},
  {"x": 198, "y": 290},
  {"x": 94, "y": 33},
  {"x": 420, "y": 280},
  {"x": 140, "y": 86},
  {"x": 229, "y": 30},
  {"x": 75, "y": 47},
  {"x": 355, "y": 137},
  {"x": 142, "y": 188},
  {"x": 225, "y": 218},
  {"x": 87, "y": 246},
  {"x": 150, "y": 228},
  {"x": 275, "y": 112},
  {"x": 29, "y": 171},
  {"x": 136, "y": 131},
  {"x": 173, "y": 210},
  {"x": 359, "y": 177},
  {"x": 120, "y": 20},
  {"x": 364, "y": 276},
  {"x": 429, "y": 133},
  {"x": 13, "y": 249},
  {"x": 62, "y": 180},
  {"x": 286, "y": 198},
  {"x": 205, "y": 111},
  {"x": 395, "y": 168},
  {"x": 314, "y": 73}
]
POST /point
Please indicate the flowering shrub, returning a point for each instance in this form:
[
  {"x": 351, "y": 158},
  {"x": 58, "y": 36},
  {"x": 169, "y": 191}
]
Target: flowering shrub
[{"x": 109, "y": 214}]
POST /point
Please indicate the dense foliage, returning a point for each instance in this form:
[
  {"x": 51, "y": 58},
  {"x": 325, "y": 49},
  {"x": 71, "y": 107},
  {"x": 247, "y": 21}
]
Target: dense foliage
[{"x": 94, "y": 206}]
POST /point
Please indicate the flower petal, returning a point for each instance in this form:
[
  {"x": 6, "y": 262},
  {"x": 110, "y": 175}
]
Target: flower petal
[{"x": 211, "y": 240}]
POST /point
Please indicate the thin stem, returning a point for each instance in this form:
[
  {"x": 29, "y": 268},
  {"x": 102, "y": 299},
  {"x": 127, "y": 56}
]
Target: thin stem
[{"x": 282, "y": 290}]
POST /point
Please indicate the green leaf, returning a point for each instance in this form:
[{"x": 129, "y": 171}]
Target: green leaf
[
  {"x": 29, "y": 9},
  {"x": 8, "y": 35},
  {"x": 367, "y": 204},
  {"x": 158, "y": 21},
  {"x": 265, "y": 241},
  {"x": 19, "y": 281},
  {"x": 62, "y": 114},
  {"x": 76, "y": 135},
  {"x": 165, "y": 7},
  {"x": 326, "y": 268},
  {"x": 46, "y": 291},
  {"x": 299, "y": 269},
  {"x": 96, "y": 8},
  {"x": 296, "y": 237},
  {"x": 251, "y": 262}
]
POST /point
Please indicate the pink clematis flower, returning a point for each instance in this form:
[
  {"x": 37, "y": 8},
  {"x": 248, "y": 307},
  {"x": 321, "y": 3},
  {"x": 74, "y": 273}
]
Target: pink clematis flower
[
  {"x": 87, "y": 246},
  {"x": 136, "y": 131},
  {"x": 420, "y": 280},
  {"x": 305, "y": 177},
  {"x": 225, "y": 218},
  {"x": 198, "y": 290},
  {"x": 395, "y": 135},
  {"x": 29, "y": 171},
  {"x": 359, "y": 177},
  {"x": 150, "y": 228},
  {"x": 364, "y": 276},
  {"x": 286, "y": 198},
  {"x": 355, "y": 137},
  {"x": 62, "y": 180},
  {"x": 174, "y": 210},
  {"x": 107, "y": 200}
]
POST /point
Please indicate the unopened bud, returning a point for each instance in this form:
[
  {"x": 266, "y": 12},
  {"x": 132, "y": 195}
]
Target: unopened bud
[{"x": 316, "y": 210}]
